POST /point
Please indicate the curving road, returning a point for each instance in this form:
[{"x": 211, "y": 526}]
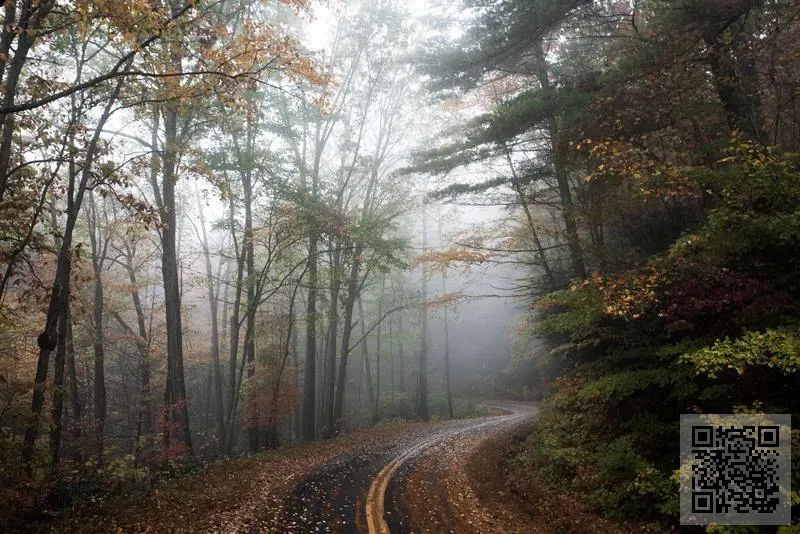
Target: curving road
[{"x": 400, "y": 486}]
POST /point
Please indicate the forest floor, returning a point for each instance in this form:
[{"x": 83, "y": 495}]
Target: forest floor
[
  {"x": 228, "y": 496},
  {"x": 462, "y": 482}
]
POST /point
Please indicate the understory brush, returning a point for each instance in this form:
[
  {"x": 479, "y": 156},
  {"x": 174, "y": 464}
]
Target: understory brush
[{"x": 709, "y": 326}]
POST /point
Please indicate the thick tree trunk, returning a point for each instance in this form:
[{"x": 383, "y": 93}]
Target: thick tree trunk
[
  {"x": 58, "y": 381},
  {"x": 562, "y": 178},
  {"x": 175, "y": 394},
  {"x": 735, "y": 80},
  {"x": 30, "y": 22}
]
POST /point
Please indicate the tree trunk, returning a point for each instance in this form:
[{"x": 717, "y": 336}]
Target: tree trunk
[
  {"x": 517, "y": 186},
  {"x": 310, "y": 376},
  {"x": 213, "y": 303},
  {"x": 447, "y": 339},
  {"x": 272, "y": 425},
  {"x": 736, "y": 82},
  {"x": 249, "y": 338},
  {"x": 347, "y": 328},
  {"x": 422, "y": 390},
  {"x": 377, "y": 415},
  {"x": 175, "y": 394},
  {"x": 296, "y": 427},
  {"x": 74, "y": 398},
  {"x": 58, "y": 381},
  {"x": 64, "y": 339},
  {"x": 98, "y": 254},
  {"x": 234, "y": 333},
  {"x": 365, "y": 355},
  {"x": 447, "y": 351},
  {"x": 30, "y": 22},
  {"x": 329, "y": 416},
  {"x": 391, "y": 357},
  {"x": 60, "y": 290},
  {"x": 402, "y": 382},
  {"x": 565, "y": 194}
]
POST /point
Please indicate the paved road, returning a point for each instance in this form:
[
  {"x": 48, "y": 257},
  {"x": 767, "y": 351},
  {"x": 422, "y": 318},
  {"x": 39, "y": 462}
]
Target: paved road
[{"x": 367, "y": 489}]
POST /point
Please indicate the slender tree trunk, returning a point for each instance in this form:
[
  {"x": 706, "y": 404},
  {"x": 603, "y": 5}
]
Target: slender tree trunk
[
  {"x": 377, "y": 415},
  {"x": 249, "y": 338},
  {"x": 213, "y": 303},
  {"x": 447, "y": 352},
  {"x": 402, "y": 384},
  {"x": 517, "y": 186},
  {"x": 347, "y": 328},
  {"x": 238, "y": 379},
  {"x": 422, "y": 391},
  {"x": 295, "y": 360},
  {"x": 145, "y": 418},
  {"x": 391, "y": 356},
  {"x": 60, "y": 290},
  {"x": 310, "y": 379},
  {"x": 272, "y": 424},
  {"x": 446, "y": 338},
  {"x": 365, "y": 355},
  {"x": 98, "y": 253},
  {"x": 234, "y": 332},
  {"x": 330, "y": 343}
]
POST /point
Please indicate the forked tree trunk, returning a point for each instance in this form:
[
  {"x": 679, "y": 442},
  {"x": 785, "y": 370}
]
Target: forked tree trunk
[{"x": 47, "y": 340}]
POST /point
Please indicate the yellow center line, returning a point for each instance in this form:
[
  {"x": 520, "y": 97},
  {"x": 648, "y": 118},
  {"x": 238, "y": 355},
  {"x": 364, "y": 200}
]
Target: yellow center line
[{"x": 376, "y": 495}]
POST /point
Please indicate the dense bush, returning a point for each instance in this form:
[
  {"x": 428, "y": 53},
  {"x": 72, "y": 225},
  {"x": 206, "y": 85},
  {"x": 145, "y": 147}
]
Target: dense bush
[{"x": 707, "y": 327}]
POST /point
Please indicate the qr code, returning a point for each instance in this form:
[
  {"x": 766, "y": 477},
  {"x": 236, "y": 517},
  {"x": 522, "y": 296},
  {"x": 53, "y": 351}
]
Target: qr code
[{"x": 735, "y": 469}]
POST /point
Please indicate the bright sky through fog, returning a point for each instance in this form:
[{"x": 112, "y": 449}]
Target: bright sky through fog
[{"x": 319, "y": 32}]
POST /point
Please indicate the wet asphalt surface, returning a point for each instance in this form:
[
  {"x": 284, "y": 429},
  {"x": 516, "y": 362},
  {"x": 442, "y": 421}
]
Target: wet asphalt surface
[{"x": 332, "y": 499}]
